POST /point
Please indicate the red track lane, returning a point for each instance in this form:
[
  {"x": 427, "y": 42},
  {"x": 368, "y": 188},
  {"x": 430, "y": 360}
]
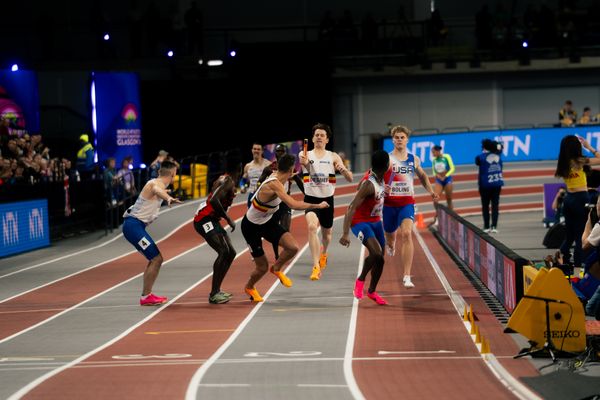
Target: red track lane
[
  {"x": 191, "y": 326},
  {"x": 426, "y": 321},
  {"x": 36, "y": 306},
  {"x": 501, "y": 344}
]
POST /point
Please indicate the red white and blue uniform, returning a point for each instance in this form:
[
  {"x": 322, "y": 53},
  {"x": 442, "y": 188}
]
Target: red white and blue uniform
[
  {"x": 399, "y": 201},
  {"x": 366, "y": 222}
]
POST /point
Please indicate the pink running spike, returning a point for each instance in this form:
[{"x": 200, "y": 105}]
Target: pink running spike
[
  {"x": 377, "y": 298},
  {"x": 358, "y": 289}
]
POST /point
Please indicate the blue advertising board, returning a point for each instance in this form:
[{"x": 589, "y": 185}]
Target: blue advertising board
[
  {"x": 24, "y": 226},
  {"x": 19, "y": 100},
  {"x": 116, "y": 116},
  {"x": 519, "y": 144}
]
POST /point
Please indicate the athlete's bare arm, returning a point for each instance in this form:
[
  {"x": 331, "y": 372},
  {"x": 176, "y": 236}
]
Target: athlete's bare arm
[
  {"x": 364, "y": 191},
  {"x": 156, "y": 189},
  {"x": 424, "y": 179},
  {"x": 218, "y": 196},
  {"x": 338, "y": 164},
  {"x": 276, "y": 188}
]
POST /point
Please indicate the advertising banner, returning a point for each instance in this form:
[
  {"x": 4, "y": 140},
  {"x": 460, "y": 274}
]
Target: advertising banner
[
  {"x": 24, "y": 226},
  {"x": 116, "y": 116},
  {"x": 519, "y": 144},
  {"x": 490, "y": 263},
  {"x": 19, "y": 101}
]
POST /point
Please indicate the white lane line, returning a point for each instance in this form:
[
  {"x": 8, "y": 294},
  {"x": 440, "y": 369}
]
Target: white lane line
[
  {"x": 96, "y": 246},
  {"x": 92, "y": 298},
  {"x": 30, "y": 386},
  {"x": 195, "y": 382},
  {"x": 171, "y": 233},
  {"x": 348, "y": 374},
  {"x": 88, "y": 268},
  {"x": 509, "y": 381}
]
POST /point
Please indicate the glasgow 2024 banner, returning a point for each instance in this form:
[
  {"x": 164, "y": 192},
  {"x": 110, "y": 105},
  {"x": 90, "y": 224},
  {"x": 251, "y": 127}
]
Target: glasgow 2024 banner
[{"x": 116, "y": 116}]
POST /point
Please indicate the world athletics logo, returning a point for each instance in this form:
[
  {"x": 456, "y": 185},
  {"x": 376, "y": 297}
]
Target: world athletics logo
[{"x": 130, "y": 113}]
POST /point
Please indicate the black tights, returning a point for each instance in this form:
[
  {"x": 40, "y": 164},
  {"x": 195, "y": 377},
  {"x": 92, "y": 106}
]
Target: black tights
[
  {"x": 373, "y": 263},
  {"x": 226, "y": 253}
]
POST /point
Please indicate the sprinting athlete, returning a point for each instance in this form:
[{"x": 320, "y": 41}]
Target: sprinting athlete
[
  {"x": 207, "y": 224},
  {"x": 399, "y": 205},
  {"x": 284, "y": 214},
  {"x": 364, "y": 215},
  {"x": 141, "y": 214},
  {"x": 442, "y": 167},
  {"x": 319, "y": 167},
  {"x": 254, "y": 169},
  {"x": 258, "y": 223}
]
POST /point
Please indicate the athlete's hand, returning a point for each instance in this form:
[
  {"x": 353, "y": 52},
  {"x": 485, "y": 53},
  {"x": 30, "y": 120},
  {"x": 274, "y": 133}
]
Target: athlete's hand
[
  {"x": 323, "y": 204},
  {"x": 344, "y": 241},
  {"x": 231, "y": 224},
  {"x": 173, "y": 200},
  {"x": 435, "y": 197},
  {"x": 303, "y": 159}
]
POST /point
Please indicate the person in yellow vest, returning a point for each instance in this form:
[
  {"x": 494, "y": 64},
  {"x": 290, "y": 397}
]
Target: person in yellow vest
[
  {"x": 85, "y": 156},
  {"x": 567, "y": 116}
]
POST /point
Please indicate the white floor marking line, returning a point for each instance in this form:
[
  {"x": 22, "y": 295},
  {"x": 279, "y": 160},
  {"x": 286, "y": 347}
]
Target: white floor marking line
[
  {"x": 98, "y": 246},
  {"x": 348, "y": 374},
  {"x": 384, "y": 352},
  {"x": 171, "y": 233},
  {"x": 509, "y": 381},
  {"x": 31, "y": 385},
  {"x": 92, "y": 298},
  {"x": 195, "y": 382},
  {"x": 88, "y": 268}
]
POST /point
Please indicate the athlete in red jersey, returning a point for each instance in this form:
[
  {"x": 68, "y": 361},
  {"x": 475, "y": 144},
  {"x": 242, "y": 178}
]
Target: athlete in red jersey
[
  {"x": 207, "y": 224},
  {"x": 364, "y": 216}
]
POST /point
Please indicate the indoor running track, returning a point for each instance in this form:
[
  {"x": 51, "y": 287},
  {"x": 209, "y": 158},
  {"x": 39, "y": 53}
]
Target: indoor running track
[{"x": 70, "y": 326}]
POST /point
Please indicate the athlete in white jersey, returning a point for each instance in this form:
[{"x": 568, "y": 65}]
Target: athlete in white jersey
[
  {"x": 319, "y": 167},
  {"x": 254, "y": 169},
  {"x": 138, "y": 216},
  {"x": 258, "y": 224}
]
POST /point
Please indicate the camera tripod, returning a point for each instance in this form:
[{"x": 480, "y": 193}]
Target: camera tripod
[{"x": 549, "y": 345}]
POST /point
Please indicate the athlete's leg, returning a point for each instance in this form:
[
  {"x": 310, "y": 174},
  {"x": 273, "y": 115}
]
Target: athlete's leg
[
  {"x": 151, "y": 273},
  {"x": 290, "y": 249},
  {"x": 448, "y": 191},
  {"x": 226, "y": 253},
  {"x": 313, "y": 238},
  {"x": 373, "y": 263},
  {"x": 262, "y": 266},
  {"x": 326, "y": 235},
  {"x": 406, "y": 245}
]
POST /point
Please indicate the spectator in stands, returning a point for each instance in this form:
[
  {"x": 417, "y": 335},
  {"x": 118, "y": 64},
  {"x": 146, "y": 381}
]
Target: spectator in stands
[
  {"x": 591, "y": 241},
  {"x": 567, "y": 116},
  {"x": 490, "y": 182},
  {"x": 85, "y": 156},
  {"x": 125, "y": 176},
  {"x": 570, "y": 167},
  {"x": 155, "y": 165},
  {"x": 587, "y": 117},
  {"x": 110, "y": 181}
]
